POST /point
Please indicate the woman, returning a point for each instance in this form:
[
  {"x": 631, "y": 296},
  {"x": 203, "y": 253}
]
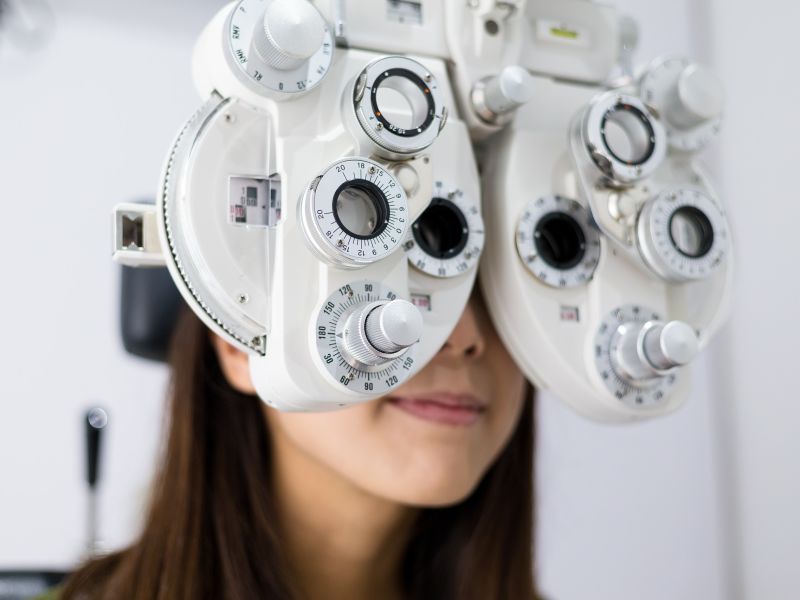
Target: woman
[{"x": 423, "y": 494}]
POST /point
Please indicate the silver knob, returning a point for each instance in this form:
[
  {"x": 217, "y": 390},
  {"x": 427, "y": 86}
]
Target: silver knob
[
  {"x": 290, "y": 33},
  {"x": 378, "y": 332},
  {"x": 643, "y": 351},
  {"x": 697, "y": 97},
  {"x": 495, "y": 98}
]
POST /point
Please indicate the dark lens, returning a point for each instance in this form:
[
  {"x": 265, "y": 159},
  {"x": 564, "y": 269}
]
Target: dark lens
[
  {"x": 559, "y": 240},
  {"x": 441, "y": 231}
]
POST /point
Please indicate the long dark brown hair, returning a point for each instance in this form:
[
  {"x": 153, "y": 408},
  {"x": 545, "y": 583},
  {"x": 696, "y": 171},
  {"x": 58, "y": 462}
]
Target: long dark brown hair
[{"x": 212, "y": 531}]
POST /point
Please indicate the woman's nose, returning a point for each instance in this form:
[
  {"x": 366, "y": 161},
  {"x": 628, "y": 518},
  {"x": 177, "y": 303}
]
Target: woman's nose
[{"x": 467, "y": 339}]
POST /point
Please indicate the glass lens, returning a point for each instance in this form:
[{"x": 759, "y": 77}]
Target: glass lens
[
  {"x": 628, "y": 135},
  {"x": 691, "y": 231},
  {"x": 402, "y": 102},
  {"x": 359, "y": 210}
]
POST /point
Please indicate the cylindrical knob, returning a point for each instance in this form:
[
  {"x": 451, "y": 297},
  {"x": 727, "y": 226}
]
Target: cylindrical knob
[
  {"x": 291, "y": 32},
  {"x": 513, "y": 87},
  {"x": 376, "y": 332},
  {"x": 497, "y": 97},
  {"x": 644, "y": 350},
  {"x": 394, "y": 326},
  {"x": 670, "y": 345},
  {"x": 698, "y": 97}
]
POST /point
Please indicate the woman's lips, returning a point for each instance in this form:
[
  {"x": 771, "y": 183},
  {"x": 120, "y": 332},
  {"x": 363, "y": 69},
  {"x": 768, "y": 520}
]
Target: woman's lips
[{"x": 449, "y": 409}]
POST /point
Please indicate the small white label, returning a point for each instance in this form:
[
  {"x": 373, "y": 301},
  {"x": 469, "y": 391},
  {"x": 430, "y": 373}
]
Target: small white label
[
  {"x": 421, "y": 301},
  {"x": 254, "y": 201},
  {"x": 408, "y": 12},
  {"x": 561, "y": 32},
  {"x": 570, "y": 314}
]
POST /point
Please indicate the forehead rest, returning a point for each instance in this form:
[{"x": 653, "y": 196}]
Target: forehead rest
[{"x": 149, "y": 308}]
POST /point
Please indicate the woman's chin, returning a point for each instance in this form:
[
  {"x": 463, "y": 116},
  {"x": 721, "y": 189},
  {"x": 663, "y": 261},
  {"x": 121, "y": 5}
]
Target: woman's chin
[{"x": 432, "y": 482}]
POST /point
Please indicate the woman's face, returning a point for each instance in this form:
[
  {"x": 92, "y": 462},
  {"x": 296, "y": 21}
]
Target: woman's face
[{"x": 430, "y": 441}]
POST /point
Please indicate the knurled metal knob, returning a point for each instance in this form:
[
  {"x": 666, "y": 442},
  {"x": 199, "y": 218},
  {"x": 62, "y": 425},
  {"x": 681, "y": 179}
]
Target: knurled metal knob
[
  {"x": 290, "y": 33},
  {"x": 378, "y": 332},
  {"x": 647, "y": 350}
]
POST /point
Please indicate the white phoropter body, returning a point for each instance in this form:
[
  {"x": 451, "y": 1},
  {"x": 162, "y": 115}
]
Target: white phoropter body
[
  {"x": 323, "y": 209},
  {"x": 281, "y": 202},
  {"x": 659, "y": 284}
]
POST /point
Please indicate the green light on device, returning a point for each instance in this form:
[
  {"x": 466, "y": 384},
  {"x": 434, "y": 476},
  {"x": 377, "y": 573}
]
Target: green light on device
[{"x": 563, "y": 32}]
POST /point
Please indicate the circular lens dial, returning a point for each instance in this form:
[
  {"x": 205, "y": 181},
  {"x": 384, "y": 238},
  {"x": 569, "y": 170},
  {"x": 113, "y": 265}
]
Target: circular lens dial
[
  {"x": 682, "y": 235},
  {"x": 610, "y": 348},
  {"x": 366, "y": 337},
  {"x": 354, "y": 213},
  {"x": 557, "y": 241},
  {"x": 279, "y": 46},
  {"x": 447, "y": 238},
  {"x": 624, "y": 140},
  {"x": 398, "y": 105}
]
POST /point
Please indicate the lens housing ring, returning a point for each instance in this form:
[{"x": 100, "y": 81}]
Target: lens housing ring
[
  {"x": 324, "y": 231},
  {"x": 656, "y": 241},
  {"x": 560, "y": 211},
  {"x": 392, "y": 140},
  {"x": 606, "y": 109},
  {"x": 463, "y": 255}
]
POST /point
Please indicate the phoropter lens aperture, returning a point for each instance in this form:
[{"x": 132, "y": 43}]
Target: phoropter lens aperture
[
  {"x": 628, "y": 134},
  {"x": 559, "y": 240},
  {"x": 360, "y": 209},
  {"x": 691, "y": 231},
  {"x": 402, "y": 102},
  {"x": 441, "y": 230}
]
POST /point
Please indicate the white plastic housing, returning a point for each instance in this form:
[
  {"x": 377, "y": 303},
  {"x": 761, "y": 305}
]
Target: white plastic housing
[
  {"x": 266, "y": 285},
  {"x": 550, "y": 331}
]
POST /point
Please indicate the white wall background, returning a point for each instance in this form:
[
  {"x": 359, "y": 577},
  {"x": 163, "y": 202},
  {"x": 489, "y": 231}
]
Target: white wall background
[
  {"x": 84, "y": 123},
  {"x": 755, "y": 48},
  {"x": 700, "y": 505}
]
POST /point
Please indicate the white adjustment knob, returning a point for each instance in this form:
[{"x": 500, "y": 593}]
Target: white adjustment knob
[
  {"x": 670, "y": 345},
  {"x": 645, "y": 351},
  {"x": 378, "y": 332},
  {"x": 495, "y": 98},
  {"x": 394, "y": 326},
  {"x": 290, "y": 33},
  {"x": 698, "y": 97}
]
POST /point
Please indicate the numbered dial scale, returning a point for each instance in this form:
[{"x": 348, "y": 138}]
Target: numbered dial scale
[
  {"x": 558, "y": 242},
  {"x": 281, "y": 47},
  {"x": 355, "y": 213},
  {"x": 682, "y": 234},
  {"x": 398, "y": 105},
  {"x": 447, "y": 239},
  {"x": 607, "y": 342},
  {"x": 689, "y": 99},
  {"x": 342, "y": 328}
]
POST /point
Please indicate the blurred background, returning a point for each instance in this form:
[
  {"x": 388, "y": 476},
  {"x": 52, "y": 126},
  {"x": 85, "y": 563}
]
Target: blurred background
[{"x": 699, "y": 505}]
